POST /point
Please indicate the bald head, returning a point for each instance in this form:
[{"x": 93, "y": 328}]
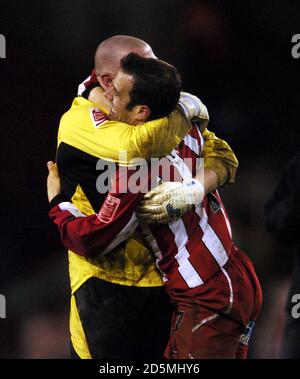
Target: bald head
[{"x": 110, "y": 52}]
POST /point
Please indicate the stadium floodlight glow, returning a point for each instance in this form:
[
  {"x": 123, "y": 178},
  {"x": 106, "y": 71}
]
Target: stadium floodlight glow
[
  {"x": 2, "y": 306},
  {"x": 2, "y": 46}
]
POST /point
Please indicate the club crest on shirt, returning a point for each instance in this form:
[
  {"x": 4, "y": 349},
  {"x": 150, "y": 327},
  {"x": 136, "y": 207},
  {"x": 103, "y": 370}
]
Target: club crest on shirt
[
  {"x": 98, "y": 117},
  {"x": 109, "y": 209}
]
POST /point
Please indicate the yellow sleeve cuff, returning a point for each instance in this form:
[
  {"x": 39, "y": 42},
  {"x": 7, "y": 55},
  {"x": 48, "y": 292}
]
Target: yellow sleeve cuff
[{"x": 219, "y": 157}]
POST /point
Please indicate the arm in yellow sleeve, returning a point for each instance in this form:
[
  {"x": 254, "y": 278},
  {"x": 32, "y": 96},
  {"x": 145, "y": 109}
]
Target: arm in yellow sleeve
[
  {"x": 153, "y": 138},
  {"x": 218, "y": 156},
  {"x": 158, "y": 137}
]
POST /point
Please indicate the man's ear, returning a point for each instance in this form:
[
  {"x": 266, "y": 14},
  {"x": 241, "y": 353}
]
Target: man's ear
[
  {"x": 105, "y": 80},
  {"x": 142, "y": 113}
]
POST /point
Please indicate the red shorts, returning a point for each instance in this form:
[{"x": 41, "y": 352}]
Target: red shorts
[{"x": 218, "y": 319}]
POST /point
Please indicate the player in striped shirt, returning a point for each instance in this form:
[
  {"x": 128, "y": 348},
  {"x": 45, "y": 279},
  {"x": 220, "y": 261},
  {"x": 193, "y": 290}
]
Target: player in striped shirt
[{"x": 211, "y": 282}]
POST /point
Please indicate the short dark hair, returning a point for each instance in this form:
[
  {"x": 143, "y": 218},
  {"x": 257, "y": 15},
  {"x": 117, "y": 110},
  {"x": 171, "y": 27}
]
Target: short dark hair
[{"x": 157, "y": 84}]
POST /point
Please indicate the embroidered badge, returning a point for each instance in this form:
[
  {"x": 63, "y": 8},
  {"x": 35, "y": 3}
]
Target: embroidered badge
[
  {"x": 109, "y": 209},
  {"x": 98, "y": 117}
]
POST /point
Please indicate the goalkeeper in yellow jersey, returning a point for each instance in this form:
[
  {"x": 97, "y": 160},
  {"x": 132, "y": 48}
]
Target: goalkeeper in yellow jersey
[{"x": 117, "y": 295}]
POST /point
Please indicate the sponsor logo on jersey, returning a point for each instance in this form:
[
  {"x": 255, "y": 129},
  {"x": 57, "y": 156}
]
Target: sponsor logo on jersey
[
  {"x": 98, "y": 117},
  {"x": 109, "y": 209}
]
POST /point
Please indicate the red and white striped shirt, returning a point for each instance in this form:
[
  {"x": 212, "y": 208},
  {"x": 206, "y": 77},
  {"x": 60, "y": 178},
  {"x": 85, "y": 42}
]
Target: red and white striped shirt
[{"x": 192, "y": 249}]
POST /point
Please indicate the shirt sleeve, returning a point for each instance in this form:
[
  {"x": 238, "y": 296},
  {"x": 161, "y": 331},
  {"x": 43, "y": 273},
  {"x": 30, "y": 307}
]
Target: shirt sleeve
[
  {"x": 152, "y": 139},
  {"x": 88, "y": 128},
  {"x": 98, "y": 233},
  {"x": 219, "y": 157},
  {"x": 156, "y": 138}
]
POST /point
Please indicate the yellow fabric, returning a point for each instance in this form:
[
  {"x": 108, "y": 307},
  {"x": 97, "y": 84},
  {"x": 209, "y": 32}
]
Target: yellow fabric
[
  {"x": 77, "y": 334},
  {"x": 81, "y": 201},
  {"x": 132, "y": 264},
  {"x": 219, "y": 157},
  {"x": 151, "y": 139}
]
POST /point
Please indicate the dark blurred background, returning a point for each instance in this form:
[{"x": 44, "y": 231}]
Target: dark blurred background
[{"x": 235, "y": 55}]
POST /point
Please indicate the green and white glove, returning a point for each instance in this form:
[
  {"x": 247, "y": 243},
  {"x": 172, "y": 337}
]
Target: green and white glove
[
  {"x": 193, "y": 107},
  {"x": 170, "y": 201}
]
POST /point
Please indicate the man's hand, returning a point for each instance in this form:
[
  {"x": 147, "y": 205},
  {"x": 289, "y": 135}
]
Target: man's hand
[
  {"x": 53, "y": 181},
  {"x": 193, "y": 107},
  {"x": 97, "y": 97},
  {"x": 170, "y": 201}
]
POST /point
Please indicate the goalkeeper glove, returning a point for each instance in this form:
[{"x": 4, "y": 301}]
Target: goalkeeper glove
[
  {"x": 170, "y": 201},
  {"x": 192, "y": 107}
]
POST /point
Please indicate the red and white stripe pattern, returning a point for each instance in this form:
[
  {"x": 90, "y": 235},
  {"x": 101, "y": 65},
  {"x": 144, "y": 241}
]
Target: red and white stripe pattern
[
  {"x": 192, "y": 249},
  {"x": 87, "y": 83}
]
